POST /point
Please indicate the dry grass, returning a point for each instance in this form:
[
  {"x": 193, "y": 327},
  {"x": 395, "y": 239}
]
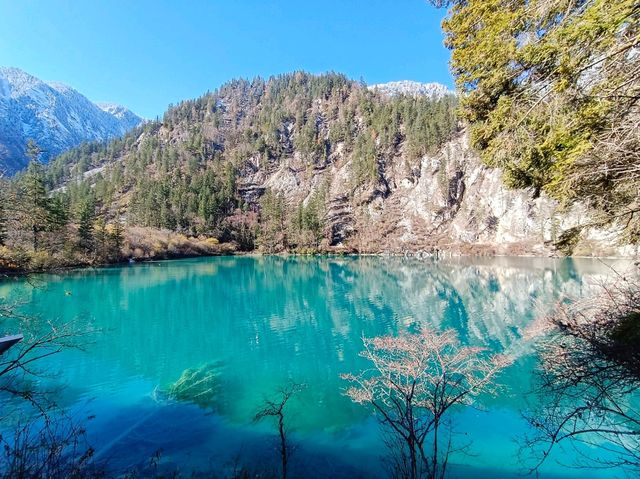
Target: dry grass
[
  {"x": 149, "y": 243},
  {"x": 139, "y": 243}
]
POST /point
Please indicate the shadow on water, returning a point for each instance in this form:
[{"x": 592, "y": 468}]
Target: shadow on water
[{"x": 189, "y": 349}]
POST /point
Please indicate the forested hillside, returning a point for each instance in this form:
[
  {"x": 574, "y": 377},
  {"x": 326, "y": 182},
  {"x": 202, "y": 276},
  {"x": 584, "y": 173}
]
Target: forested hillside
[
  {"x": 299, "y": 163},
  {"x": 210, "y": 167},
  {"x": 183, "y": 173}
]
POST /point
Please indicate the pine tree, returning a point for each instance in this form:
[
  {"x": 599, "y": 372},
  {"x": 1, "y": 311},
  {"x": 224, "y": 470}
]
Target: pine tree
[
  {"x": 116, "y": 240},
  {"x": 100, "y": 239},
  {"x": 86, "y": 218},
  {"x": 33, "y": 151},
  {"x": 36, "y": 203},
  {"x": 273, "y": 234},
  {"x": 58, "y": 213},
  {"x": 551, "y": 92}
]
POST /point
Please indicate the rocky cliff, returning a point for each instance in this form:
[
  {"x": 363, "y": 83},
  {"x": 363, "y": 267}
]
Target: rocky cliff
[{"x": 449, "y": 202}]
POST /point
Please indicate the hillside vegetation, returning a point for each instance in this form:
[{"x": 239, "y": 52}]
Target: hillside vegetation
[
  {"x": 551, "y": 91},
  {"x": 202, "y": 170}
]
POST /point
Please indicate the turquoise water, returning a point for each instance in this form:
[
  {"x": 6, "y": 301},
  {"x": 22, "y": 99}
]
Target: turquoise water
[{"x": 260, "y": 323}]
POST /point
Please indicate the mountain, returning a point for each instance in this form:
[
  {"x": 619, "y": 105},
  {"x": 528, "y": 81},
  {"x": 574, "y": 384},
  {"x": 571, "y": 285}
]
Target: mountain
[
  {"x": 412, "y": 88},
  {"x": 128, "y": 119},
  {"x": 54, "y": 115},
  {"x": 301, "y": 162}
]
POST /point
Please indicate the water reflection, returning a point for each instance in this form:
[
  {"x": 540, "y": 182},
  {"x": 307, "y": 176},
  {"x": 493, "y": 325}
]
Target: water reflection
[{"x": 266, "y": 321}]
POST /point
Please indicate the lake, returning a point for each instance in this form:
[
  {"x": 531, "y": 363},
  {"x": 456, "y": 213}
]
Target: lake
[{"x": 251, "y": 325}]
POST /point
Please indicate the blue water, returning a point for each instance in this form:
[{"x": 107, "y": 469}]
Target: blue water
[{"x": 260, "y": 323}]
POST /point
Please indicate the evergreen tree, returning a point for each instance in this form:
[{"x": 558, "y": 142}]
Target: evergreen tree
[
  {"x": 58, "y": 212},
  {"x": 116, "y": 240},
  {"x": 551, "y": 91},
  {"x": 365, "y": 160},
  {"x": 33, "y": 151},
  {"x": 36, "y": 203},
  {"x": 86, "y": 218},
  {"x": 100, "y": 239},
  {"x": 273, "y": 235}
]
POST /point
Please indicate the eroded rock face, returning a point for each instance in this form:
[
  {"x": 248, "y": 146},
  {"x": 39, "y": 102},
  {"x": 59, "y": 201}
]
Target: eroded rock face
[{"x": 451, "y": 202}]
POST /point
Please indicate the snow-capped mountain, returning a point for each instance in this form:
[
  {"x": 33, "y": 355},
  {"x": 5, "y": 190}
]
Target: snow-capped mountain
[
  {"x": 127, "y": 118},
  {"x": 413, "y": 88},
  {"x": 54, "y": 115}
]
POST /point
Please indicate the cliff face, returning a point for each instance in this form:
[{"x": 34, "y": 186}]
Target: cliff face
[{"x": 450, "y": 202}]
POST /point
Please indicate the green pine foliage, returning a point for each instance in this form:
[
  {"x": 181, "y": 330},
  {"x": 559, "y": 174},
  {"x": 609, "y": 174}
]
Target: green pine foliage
[
  {"x": 38, "y": 213},
  {"x": 273, "y": 222},
  {"x": 86, "y": 220},
  {"x": 551, "y": 90}
]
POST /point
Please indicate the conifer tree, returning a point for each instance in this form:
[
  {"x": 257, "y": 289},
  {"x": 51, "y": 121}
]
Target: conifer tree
[
  {"x": 86, "y": 218},
  {"x": 33, "y": 151},
  {"x": 100, "y": 238},
  {"x": 36, "y": 203},
  {"x": 551, "y": 91},
  {"x": 116, "y": 240},
  {"x": 273, "y": 235}
]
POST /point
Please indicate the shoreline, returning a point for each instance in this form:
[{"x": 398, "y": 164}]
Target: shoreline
[{"x": 230, "y": 252}]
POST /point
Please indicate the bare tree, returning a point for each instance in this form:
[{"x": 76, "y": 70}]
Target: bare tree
[
  {"x": 53, "y": 448},
  {"x": 18, "y": 365},
  {"x": 589, "y": 379},
  {"x": 276, "y": 410},
  {"x": 415, "y": 382},
  {"x": 38, "y": 439}
]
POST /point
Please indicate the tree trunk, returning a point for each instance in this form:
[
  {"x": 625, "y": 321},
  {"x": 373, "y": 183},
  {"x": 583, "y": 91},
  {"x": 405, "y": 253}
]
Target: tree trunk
[{"x": 283, "y": 446}]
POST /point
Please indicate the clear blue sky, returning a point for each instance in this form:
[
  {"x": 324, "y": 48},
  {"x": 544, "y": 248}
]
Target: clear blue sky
[{"x": 146, "y": 54}]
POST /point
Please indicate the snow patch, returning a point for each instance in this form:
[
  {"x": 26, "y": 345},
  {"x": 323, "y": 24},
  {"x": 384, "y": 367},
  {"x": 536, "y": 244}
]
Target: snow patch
[{"x": 412, "y": 88}]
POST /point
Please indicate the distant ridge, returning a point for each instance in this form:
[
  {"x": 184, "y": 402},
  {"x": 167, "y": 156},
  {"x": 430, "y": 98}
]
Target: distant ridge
[
  {"x": 127, "y": 118},
  {"x": 53, "y": 114}
]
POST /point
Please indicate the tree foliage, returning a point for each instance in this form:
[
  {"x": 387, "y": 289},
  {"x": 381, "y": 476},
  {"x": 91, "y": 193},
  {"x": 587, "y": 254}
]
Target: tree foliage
[
  {"x": 86, "y": 218},
  {"x": 273, "y": 224},
  {"x": 416, "y": 380},
  {"x": 38, "y": 211},
  {"x": 550, "y": 89}
]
